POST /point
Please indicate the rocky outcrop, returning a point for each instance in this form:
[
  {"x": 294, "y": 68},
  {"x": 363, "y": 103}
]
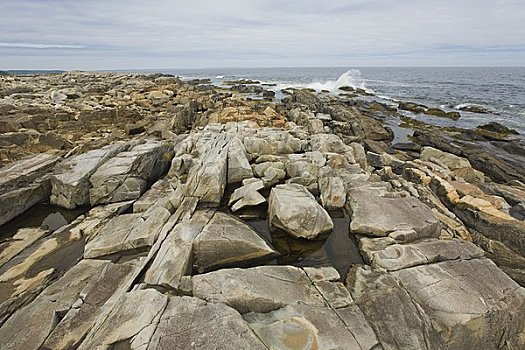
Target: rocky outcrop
[
  {"x": 293, "y": 209},
  {"x": 423, "y": 247}
]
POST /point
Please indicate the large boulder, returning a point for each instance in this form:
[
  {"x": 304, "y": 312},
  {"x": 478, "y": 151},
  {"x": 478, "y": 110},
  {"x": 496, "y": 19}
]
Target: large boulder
[{"x": 293, "y": 209}]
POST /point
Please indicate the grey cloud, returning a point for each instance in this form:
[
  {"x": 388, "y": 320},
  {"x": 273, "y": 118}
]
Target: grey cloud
[{"x": 174, "y": 33}]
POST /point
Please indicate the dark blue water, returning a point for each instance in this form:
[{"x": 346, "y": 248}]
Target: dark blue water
[{"x": 500, "y": 90}]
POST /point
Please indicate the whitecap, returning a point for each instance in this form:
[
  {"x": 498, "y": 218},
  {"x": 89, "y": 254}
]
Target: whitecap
[
  {"x": 219, "y": 77},
  {"x": 351, "y": 78}
]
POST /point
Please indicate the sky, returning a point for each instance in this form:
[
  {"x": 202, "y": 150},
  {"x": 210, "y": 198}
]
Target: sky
[{"x": 163, "y": 34}]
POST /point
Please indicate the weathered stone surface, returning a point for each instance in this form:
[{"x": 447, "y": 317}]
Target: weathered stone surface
[
  {"x": 174, "y": 259},
  {"x": 27, "y": 274},
  {"x": 294, "y": 210},
  {"x": 70, "y": 182},
  {"x": 161, "y": 190},
  {"x": 454, "y": 304},
  {"x": 40, "y": 317},
  {"x": 132, "y": 321},
  {"x": 208, "y": 177},
  {"x": 127, "y": 232},
  {"x": 400, "y": 256},
  {"x": 126, "y": 175},
  {"x": 238, "y": 165},
  {"x": 227, "y": 241},
  {"x": 378, "y": 216},
  {"x": 103, "y": 289},
  {"x": 192, "y": 323},
  {"x": 21, "y": 240},
  {"x": 305, "y": 327},
  {"x": 258, "y": 289}
]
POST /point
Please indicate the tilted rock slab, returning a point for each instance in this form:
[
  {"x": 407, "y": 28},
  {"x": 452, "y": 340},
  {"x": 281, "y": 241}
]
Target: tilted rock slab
[
  {"x": 207, "y": 178},
  {"x": 126, "y": 176},
  {"x": 293, "y": 209},
  {"x": 70, "y": 182},
  {"x": 174, "y": 259},
  {"x": 238, "y": 165},
  {"x": 24, "y": 184},
  {"x": 259, "y": 289},
  {"x": 127, "y": 232},
  {"x": 227, "y": 241}
]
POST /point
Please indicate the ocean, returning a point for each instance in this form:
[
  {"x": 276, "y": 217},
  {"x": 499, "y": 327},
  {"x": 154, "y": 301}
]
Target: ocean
[{"x": 500, "y": 90}]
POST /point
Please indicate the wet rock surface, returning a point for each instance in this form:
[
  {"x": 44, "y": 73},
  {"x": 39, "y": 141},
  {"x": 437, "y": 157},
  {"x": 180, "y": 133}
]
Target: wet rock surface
[{"x": 205, "y": 219}]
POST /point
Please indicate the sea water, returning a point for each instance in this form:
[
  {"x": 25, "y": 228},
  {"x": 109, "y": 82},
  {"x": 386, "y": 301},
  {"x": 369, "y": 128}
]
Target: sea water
[{"x": 499, "y": 90}]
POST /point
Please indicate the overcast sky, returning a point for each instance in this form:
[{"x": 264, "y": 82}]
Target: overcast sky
[{"x": 118, "y": 34}]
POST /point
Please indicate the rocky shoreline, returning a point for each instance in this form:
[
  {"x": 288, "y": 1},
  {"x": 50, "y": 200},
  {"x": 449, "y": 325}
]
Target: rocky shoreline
[{"x": 224, "y": 217}]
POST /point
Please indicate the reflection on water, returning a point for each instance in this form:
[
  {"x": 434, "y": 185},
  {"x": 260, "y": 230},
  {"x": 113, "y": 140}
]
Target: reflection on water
[{"x": 338, "y": 249}]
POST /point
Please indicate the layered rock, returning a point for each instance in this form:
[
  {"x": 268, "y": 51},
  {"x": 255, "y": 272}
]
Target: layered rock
[
  {"x": 70, "y": 182},
  {"x": 24, "y": 184}
]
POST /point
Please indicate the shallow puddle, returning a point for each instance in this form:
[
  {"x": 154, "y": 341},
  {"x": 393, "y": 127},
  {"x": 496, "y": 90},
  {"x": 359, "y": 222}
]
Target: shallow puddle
[
  {"x": 43, "y": 215},
  {"x": 337, "y": 249}
]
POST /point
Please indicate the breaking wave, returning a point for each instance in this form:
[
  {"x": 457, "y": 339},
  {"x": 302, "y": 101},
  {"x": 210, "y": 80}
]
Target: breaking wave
[{"x": 351, "y": 78}]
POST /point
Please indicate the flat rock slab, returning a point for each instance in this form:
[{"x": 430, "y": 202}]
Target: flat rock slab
[
  {"x": 131, "y": 321},
  {"x": 70, "y": 182},
  {"x": 293, "y": 209},
  {"x": 227, "y": 241},
  {"x": 258, "y": 289},
  {"x": 21, "y": 240},
  {"x": 126, "y": 176},
  {"x": 400, "y": 256},
  {"x": 127, "y": 232},
  {"x": 39, "y": 317},
  {"x": 307, "y": 327},
  {"x": 174, "y": 259},
  {"x": 373, "y": 215},
  {"x": 192, "y": 323}
]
